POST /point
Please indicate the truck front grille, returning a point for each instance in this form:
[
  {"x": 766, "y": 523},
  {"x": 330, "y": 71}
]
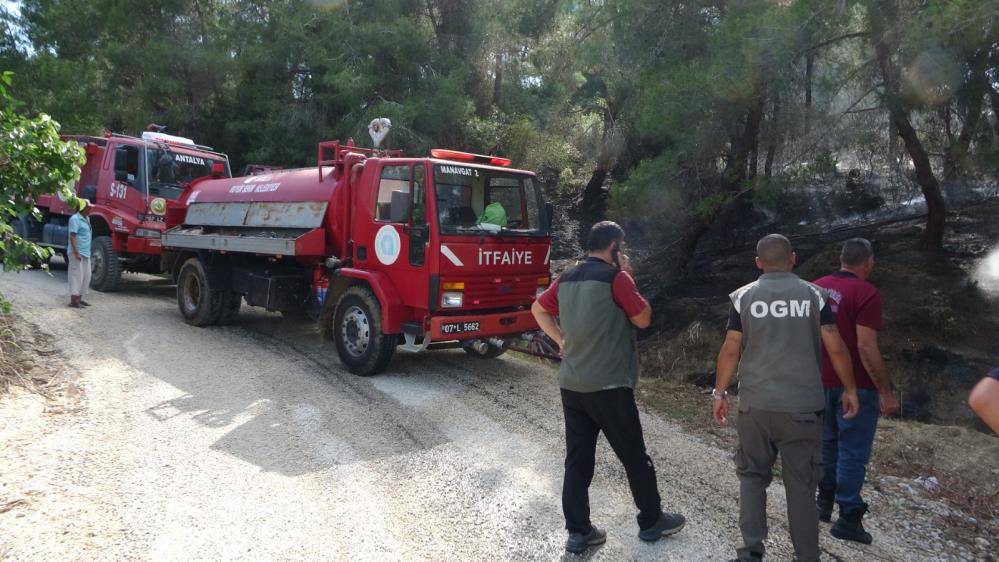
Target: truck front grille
[{"x": 498, "y": 291}]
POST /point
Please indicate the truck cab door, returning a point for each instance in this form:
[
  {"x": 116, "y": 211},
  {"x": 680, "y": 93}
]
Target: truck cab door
[
  {"x": 418, "y": 228},
  {"x": 127, "y": 189},
  {"x": 401, "y": 234}
]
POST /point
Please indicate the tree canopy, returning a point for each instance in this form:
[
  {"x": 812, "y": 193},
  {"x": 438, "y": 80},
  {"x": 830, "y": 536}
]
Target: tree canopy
[{"x": 664, "y": 112}]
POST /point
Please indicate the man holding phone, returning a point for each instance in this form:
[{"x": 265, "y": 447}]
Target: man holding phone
[{"x": 599, "y": 307}]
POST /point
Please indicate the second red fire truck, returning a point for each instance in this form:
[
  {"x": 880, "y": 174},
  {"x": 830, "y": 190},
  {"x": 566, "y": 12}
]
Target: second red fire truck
[{"x": 128, "y": 182}]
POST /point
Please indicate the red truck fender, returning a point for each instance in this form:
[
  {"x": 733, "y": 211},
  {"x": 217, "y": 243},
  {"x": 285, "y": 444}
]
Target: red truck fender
[{"x": 385, "y": 292}]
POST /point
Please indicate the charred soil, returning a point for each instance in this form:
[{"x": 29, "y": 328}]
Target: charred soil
[
  {"x": 939, "y": 338},
  {"x": 940, "y": 319}
]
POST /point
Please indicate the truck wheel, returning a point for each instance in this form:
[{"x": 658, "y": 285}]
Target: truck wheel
[
  {"x": 230, "y": 307},
  {"x": 198, "y": 303},
  {"x": 491, "y": 353},
  {"x": 105, "y": 265},
  {"x": 357, "y": 329}
]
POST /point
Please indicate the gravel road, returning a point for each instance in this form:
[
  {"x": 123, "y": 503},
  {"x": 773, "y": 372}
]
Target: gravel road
[{"x": 251, "y": 442}]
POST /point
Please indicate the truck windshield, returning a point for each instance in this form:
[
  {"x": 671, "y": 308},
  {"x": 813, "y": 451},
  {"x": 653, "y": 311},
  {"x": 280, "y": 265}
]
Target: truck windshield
[
  {"x": 478, "y": 200},
  {"x": 170, "y": 171}
]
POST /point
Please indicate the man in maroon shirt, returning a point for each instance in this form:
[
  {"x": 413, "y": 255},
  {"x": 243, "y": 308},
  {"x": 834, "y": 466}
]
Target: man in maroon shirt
[{"x": 846, "y": 443}]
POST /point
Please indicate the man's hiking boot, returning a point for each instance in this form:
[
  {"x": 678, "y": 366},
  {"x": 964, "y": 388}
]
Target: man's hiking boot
[
  {"x": 578, "y": 542},
  {"x": 824, "y": 503},
  {"x": 850, "y": 527},
  {"x": 668, "y": 524}
]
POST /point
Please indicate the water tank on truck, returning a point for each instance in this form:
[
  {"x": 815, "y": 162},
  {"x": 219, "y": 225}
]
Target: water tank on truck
[{"x": 385, "y": 251}]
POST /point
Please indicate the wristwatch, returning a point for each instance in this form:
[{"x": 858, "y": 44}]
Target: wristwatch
[{"x": 716, "y": 396}]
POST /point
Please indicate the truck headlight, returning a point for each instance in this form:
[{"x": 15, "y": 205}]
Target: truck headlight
[
  {"x": 452, "y": 300},
  {"x": 147, "y": 233}
]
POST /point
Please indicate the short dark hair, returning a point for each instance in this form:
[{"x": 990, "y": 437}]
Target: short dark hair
[
  {"x": 602, "y": 235},
  {"x": 856, "y": 251},
  {"x": 774, "y": 250}
]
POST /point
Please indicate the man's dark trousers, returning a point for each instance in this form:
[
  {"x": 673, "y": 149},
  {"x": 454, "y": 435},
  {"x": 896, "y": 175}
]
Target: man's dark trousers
[
  {"x": 797, "y": 437},
  {"x": 614, "y": 412},
  {"x": 846, "y": 447}
]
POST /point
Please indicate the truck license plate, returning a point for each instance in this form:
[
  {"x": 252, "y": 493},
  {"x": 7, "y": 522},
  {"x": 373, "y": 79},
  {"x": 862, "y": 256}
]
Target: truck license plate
[{"x": 459, "y": 327}]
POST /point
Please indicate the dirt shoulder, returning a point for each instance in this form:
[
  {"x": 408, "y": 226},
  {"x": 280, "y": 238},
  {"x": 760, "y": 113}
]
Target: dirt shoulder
[
  {"x": 23, "y": 350},
  {"x": 38, "y": 395}
]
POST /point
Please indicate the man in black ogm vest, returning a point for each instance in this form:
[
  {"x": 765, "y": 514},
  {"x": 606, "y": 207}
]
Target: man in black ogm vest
[{"x": 599, "y": 306}]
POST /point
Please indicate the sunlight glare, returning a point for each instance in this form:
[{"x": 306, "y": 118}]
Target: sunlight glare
[{"x": 987, "y": 273}]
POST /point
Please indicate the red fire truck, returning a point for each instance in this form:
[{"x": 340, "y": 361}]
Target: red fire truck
[
  {"x": 386, "y": 251},
  {"x": 128, "y": 181}
]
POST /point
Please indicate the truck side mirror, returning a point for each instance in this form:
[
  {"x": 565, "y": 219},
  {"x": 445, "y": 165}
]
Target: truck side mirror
[{"x": 402, "y": 203}]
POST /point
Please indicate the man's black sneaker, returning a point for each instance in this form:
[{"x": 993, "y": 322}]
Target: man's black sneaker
[
  {"x": 825, "y": 508},
  {"x": 578, "y": 542},
  {"x": 668, "y": 524},
  {"x": 850, "y": 527},
  {"x": 84, "y": 303}
]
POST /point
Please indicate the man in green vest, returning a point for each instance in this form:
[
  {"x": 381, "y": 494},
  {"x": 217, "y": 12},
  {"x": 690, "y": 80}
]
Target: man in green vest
[{"x": 598, "y": 308}]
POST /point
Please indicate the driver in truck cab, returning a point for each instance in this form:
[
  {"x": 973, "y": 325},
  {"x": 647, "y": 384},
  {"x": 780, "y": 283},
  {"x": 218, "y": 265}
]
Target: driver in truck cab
[{"x": 493, "y": 214}]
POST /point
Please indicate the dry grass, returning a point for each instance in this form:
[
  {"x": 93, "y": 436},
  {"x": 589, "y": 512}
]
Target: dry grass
[
  {"x": 16, "y": 356},
  {"x": 964, "y": 461}
]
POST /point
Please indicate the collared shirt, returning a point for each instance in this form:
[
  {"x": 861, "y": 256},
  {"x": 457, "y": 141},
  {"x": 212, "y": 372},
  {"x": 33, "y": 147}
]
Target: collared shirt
[{"x": 80, "y": 225}]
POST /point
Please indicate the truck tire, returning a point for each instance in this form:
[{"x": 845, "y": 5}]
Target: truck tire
[
  {"x": 199, "y": 304},
  {"x": 230, "y": 307},
  {"x": 492, "y": 353},
  {"x": 357, "y": 329},
  {"x": 105, "y": 265}
]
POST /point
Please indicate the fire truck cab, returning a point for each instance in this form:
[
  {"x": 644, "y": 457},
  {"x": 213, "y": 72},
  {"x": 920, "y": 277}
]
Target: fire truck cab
[
  {"x": 128, "y": 182},
  {"x": 387, "y": 252}
]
